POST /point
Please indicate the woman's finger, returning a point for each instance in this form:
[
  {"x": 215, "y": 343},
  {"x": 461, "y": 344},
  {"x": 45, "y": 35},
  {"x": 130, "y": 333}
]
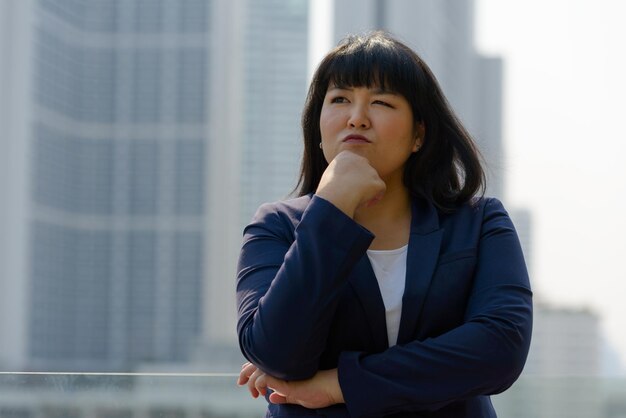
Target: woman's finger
[
  {"x": 252, "y": 383},
  {"x": 280, "y": 388},
  {"x": 261, "y": 384},
  {"x": 277, "y": 398},
  {"x": 246, "y": 371}
]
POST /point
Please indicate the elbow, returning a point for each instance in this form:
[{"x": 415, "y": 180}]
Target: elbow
[
  {"x": 279, "y": 359},
  {"x": 511, "y": 359},
  {"x": 499, "y": 369},
  {"x": 517, "y": 361},
  {"x": 509, "y": 370}
]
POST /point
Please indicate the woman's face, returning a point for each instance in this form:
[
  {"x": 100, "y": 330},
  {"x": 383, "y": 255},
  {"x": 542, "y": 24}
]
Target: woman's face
[{"x": 370, "y": 122}]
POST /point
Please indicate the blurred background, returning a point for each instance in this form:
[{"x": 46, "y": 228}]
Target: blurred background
[{"x": 138, "y": 137}]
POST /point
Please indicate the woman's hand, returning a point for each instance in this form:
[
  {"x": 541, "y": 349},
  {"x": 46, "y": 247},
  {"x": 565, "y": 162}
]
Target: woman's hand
[
  {"x": 320, "y": 391},
  {"x": 349, "y": 182},
  {"x": 252, "y": 376},
  {"x": 317, "y": 392}
]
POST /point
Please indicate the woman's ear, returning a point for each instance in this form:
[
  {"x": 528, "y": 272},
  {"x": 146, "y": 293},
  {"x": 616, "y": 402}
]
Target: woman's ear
[{"x": 420, "y": 132}]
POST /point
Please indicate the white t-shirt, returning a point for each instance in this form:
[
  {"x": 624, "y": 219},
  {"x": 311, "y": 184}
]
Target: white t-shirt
[{"x": 390, "y": 269}]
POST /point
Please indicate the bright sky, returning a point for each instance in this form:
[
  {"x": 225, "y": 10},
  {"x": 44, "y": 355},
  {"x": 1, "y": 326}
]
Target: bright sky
[{"x": 565, "y": 90}]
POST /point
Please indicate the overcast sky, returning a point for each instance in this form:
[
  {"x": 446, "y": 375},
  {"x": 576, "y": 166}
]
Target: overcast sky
[{"x": 565, "y": 135}]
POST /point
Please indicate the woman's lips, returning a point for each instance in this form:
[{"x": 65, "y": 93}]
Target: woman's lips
[{"x": 356, "y": 139}]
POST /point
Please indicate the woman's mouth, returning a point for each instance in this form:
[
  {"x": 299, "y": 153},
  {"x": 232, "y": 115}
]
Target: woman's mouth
[{"x": 356, "y": 139}]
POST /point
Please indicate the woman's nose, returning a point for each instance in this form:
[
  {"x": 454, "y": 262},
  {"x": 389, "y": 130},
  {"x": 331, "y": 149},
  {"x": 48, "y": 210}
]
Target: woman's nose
[{"x": 358, "y": 118}]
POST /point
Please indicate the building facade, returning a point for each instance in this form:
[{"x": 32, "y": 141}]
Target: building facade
[
  {"x": 275, "y": 62},
  {"x": 114, "y": 167},
  {"x": 142, "y": 135}
]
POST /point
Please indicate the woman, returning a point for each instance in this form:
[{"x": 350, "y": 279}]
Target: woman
[{"x": 387, "y": 288}]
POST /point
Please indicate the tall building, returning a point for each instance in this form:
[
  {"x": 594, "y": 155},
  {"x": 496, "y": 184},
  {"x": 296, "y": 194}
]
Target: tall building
[
  {"x": 442, "y": 32},
  {"x": 259, "y": 86},
  {"x": 108, "y": 144},
  {"x": 275, "y": 65},
  {"x": 140, "y": 138},
  {"x": 15, "y": 82},
  {"x": 566, "y": 342}
]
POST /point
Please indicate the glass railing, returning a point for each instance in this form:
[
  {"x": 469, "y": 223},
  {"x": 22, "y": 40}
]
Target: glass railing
[
  {"x": 123, "y": 395},
  {"x": 215, "y": 395},
  {"x": 563, "y": 397}
]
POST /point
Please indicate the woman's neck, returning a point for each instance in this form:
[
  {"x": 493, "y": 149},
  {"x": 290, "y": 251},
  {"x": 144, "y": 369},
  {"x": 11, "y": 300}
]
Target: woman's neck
[{"x": 389, "y": 219}]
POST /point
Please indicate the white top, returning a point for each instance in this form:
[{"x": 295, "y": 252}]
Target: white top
[{"x": 390, "y": 269}]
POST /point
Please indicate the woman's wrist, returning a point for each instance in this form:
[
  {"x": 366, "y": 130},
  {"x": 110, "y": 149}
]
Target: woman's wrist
[
  {"x": 341, "y": 202},
  {"x": 335, "y": 391}
]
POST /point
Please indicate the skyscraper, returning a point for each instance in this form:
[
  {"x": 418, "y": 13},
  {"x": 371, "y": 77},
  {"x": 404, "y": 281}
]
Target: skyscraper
[
  {"x": 142, "y": 136},
  {"x": 259, "y": 85},
  {"x": 566, "y": 342},
  {"x": 111, "y": 151},
  {"x": 15, "y": 47},
  {"x": 275, "y": 63}
]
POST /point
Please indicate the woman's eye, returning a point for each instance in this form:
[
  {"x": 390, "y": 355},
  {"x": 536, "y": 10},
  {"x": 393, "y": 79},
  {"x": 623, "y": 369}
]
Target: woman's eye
[
  {"x": 338, "y": 100},
  {"x": 380, "y": 102}
]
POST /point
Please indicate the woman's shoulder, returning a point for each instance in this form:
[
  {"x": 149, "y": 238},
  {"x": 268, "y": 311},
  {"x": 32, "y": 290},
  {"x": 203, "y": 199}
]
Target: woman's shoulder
[
  {"x": 479, "y": 206},
  {"x": 488, "y": 207},
  {"x": 472, "y": 221},
  {"x": 478, "y": 211}
]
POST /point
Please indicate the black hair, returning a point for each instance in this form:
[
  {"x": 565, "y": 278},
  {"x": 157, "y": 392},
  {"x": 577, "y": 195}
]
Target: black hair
[{"x": 447, "y": 170}]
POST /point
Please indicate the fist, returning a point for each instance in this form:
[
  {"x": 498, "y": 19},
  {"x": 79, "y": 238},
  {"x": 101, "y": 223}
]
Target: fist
[{"x": 350, "y": 182}]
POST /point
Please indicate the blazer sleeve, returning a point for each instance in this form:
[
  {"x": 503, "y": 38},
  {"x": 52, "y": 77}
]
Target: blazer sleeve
[
  {"x": 289, "y": 282},
  {"x": 483, "y": 356}
]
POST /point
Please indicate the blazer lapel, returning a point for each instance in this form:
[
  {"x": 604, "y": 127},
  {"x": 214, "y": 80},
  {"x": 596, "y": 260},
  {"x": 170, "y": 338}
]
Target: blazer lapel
[
  {"x": 364, "y": 283},
  {"x": 423, "y": 252}
]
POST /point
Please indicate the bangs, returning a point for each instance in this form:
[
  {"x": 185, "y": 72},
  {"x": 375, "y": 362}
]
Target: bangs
[{"x": 373, "y": 64}]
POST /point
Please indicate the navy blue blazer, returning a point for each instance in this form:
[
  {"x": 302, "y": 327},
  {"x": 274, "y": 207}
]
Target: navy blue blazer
[{"x": 308, "y": 300}]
